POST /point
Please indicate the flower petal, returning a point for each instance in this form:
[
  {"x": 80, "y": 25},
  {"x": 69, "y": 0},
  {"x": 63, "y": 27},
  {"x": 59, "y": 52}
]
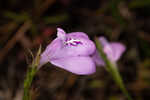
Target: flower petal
[
  {"x": 117, "y": 49},
  {"x": 109, "y": 52},
  {"x": 61, "y": 34},
  {"x": 53, "y": 48},
  {"x": 113, "y": 50},
  {"x": 78, "y": 65},
  {"x": 43, "y": 60},
  {"x": 57, "y": 49},
  {"x": 103, "y": 41},
  {"x": 97, "y": 59},
  {"x": 78, "y": 34},
  {"x": 76, "y": 44},
  {"x": 85, "y": 47}
]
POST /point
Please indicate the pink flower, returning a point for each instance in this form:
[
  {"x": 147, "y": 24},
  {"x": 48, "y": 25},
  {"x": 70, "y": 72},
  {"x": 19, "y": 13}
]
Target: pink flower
[
  {"x": 113, "y": 51},
  {"x": 71, "y": 52}
]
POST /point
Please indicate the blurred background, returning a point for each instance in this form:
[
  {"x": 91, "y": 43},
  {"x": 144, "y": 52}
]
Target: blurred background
[{"x": 25, "y": 24}]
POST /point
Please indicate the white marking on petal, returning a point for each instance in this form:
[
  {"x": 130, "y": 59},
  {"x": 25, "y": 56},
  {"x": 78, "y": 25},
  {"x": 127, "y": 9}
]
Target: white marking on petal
[{"x": 72, "y": 42}]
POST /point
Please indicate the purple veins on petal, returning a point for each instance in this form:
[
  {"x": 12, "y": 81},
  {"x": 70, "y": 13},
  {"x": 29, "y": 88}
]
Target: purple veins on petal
[{"x": 77, "y": 42}]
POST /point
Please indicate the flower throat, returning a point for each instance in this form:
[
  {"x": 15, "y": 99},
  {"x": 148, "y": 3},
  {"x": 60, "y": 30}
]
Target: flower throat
[{"x": 72, "y": 42}]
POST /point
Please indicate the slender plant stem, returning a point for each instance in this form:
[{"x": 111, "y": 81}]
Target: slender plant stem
[
  {"x": 32, "y": 69},
  {"x": 28, "y": 81},
  {"x": 112, "y": 69}
]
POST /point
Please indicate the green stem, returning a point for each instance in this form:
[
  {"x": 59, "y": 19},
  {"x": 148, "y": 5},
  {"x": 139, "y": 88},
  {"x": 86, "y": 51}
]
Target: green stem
[
  {"x": 28, "y": 81},
  {"x": 112, "y": 68},
  {"x": 33, "y": 68}
]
